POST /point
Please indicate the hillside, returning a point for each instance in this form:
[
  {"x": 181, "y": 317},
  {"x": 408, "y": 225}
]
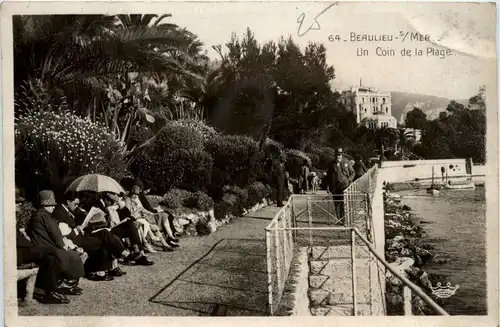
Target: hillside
[{"x": 403, "y": 102}]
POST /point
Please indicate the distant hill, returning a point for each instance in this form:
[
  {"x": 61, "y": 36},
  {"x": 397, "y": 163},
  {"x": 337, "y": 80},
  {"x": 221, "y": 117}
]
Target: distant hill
[{"x": 403, "y": 102}]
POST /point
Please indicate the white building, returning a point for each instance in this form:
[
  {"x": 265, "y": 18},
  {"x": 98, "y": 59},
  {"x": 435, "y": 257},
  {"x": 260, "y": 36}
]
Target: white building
[{"x": 371, "y": 107}]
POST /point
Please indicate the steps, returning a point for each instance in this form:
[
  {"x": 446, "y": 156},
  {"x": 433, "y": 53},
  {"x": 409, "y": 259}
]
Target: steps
[{"x": 330, "y": 282}]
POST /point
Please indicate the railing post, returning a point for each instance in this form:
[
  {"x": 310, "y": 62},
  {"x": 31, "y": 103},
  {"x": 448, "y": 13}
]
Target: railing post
[
  {"x": 309, "y": 216},
  {"x": 347, "y": 206},
  {"x": 407, "y": 301},
  {"x": 285, "y": 238},
  {"x": 279, "y": 262},
  {"x": 294, "y": 216},
  {"x": 270, "y": 296},
  {"x": 353, "y": 268}
]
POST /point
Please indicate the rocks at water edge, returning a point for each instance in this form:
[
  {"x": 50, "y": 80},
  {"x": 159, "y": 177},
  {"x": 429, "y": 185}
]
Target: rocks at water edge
[{"x": 406, "y": 253}]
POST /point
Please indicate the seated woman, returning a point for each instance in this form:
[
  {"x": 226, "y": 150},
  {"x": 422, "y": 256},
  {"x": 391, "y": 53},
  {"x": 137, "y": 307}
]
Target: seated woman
[
  {"x": 122, "y": 225},
  {"x": 138, "y": 212},
  {"x": 161, "y": 219},
  {"x": 144, "y": 190}
]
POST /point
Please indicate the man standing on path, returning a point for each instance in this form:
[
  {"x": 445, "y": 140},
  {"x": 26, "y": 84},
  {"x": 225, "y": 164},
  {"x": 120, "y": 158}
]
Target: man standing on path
[
  {"x": 339, "y": 175},
  {"x": 279, "y": 181}
]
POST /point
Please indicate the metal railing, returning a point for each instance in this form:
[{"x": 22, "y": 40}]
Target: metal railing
[{"x": 284, "y": 236}]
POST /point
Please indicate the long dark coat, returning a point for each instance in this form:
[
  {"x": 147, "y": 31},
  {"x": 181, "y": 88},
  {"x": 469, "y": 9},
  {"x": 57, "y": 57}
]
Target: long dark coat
[
  {"x": 46, "y": 235},
  {"x": 339, "y": 177}
]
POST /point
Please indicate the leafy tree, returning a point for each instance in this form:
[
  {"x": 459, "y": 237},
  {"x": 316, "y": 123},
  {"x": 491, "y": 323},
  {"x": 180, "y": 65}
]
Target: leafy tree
[
  {"x": 274, "y": 89},
  {"x": 416, "y": 118}
]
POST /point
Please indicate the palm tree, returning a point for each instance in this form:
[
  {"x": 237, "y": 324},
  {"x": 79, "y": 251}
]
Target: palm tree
[
  {"x": 404, "y": 138},
  {"x": 385, "y": 137},
  {"x": 75, "y": 54}
]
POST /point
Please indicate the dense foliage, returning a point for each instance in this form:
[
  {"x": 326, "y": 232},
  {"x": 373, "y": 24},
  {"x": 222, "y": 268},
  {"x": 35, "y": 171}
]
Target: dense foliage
[
  {"x": 110, "y": 93},
  {"x": 52, "y": 148}
]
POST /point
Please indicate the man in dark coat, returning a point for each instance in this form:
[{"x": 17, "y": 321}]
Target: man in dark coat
[
  {"x": 279, "y": 181},
  {"x": 340, "y": 174},
  {"x": 46, "y": 236},
  {"x": 101, "y": 246}
]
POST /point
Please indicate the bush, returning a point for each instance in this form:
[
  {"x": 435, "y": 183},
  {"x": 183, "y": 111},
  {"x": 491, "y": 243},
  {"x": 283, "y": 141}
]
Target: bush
[
  {"x": 203, "y": 201},
  {"x": 207, "y": 132},
  {"x": 176, "y": 137},
  {"x": 161, "y": 172},
  {"x": 292, "y": 153},
  {"x": 177, "y": 198},
  {"x": 256, "y": 192},
  {"x": 52, "y": 148},
  {"x": 24, "y": 213},
  {"x": 236, "y": 160},
  {"x": 175, "y": 159},
  {"x": 197, "y": 169}
]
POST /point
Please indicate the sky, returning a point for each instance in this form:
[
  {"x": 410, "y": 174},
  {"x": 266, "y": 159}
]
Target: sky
[{"x": 467, "y": 29}]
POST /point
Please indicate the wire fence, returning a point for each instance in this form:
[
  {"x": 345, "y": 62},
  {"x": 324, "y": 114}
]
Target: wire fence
[{"x": 318, "y": 222}]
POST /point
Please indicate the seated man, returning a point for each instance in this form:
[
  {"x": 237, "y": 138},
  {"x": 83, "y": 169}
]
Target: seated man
[
  {"x": 49, "y": 253},
  {"x": 101, "y": 247}
]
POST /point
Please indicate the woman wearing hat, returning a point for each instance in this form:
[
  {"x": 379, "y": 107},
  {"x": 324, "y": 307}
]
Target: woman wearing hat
[
  {"x": 46, "y": 235},
  {"x": 157, "y": 221}
]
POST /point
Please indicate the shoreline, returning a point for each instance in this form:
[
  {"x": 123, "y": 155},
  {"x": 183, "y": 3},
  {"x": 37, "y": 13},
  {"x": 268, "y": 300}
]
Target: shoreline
[{"x": 407, "y": 251}]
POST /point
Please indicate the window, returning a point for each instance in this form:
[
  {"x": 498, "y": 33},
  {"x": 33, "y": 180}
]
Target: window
[
  {"x": 387, "y": 109},
  {"x": 383, "y": 100}
]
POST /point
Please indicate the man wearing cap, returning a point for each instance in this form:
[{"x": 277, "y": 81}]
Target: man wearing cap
[
  {"x": 46, "y": 236},
  {"x": 339, "y": 175}
]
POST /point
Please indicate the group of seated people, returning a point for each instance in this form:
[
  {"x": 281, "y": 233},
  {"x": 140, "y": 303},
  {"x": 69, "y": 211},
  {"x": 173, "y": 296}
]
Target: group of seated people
[{"x": 65, "y": 245}]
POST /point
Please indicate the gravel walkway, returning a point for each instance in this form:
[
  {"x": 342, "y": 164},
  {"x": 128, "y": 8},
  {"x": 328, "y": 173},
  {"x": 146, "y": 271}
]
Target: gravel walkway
[{"x": 222, "y": 274}]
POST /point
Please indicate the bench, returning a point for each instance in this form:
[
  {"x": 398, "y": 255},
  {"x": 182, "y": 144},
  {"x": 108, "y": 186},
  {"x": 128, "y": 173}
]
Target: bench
[{"x": 29, "y": 273}]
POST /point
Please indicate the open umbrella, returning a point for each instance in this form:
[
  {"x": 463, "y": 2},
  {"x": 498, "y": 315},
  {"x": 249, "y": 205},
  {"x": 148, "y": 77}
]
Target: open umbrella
[{"x": 95, "y": 183}]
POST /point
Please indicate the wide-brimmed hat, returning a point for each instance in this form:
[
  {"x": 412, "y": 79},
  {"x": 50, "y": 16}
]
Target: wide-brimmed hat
[
  {"x": 47, "y": 198},
  {"x": 339, "y": 151}
]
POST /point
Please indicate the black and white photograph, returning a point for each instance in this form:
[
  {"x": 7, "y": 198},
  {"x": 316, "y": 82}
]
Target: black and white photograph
[{"x": 317, "y": 160}]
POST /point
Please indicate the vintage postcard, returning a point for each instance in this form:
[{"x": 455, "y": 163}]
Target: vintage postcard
[{"x": 327, "y": 162}]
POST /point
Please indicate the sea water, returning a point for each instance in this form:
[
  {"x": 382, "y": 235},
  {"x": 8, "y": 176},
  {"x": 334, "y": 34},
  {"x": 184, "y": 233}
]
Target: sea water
[{"x": 457, "y": 231}]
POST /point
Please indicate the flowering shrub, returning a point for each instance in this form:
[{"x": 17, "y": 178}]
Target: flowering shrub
[{"x": 53, "y": 147}]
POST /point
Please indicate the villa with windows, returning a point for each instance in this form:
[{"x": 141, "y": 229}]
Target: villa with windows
[{"x": 371, "y": 107}]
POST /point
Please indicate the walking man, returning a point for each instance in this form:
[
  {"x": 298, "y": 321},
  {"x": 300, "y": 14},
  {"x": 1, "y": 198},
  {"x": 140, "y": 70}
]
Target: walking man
[{"x": 339, "y": 175}]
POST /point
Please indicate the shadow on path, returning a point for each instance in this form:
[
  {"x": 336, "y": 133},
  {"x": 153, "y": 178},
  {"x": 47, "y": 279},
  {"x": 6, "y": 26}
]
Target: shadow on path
[{"x": 229, "y": 280}]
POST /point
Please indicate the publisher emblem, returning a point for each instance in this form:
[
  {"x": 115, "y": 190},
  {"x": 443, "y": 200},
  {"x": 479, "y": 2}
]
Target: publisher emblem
[{"x": 444, "y": 292}]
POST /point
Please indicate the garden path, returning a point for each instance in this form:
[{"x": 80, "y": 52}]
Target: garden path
[{"x": 221, "y": 274}]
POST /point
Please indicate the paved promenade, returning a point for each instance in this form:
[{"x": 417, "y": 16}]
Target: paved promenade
[{"x": 222, "y": 274}]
